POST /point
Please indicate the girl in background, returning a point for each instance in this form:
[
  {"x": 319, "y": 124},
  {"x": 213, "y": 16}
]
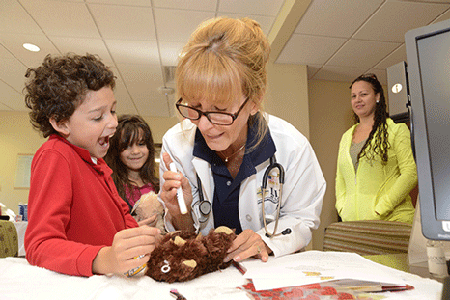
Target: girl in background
[{"x": 131, "y": 156}]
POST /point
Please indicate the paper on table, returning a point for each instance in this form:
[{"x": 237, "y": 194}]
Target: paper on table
[{"x": 314, "y": 267}]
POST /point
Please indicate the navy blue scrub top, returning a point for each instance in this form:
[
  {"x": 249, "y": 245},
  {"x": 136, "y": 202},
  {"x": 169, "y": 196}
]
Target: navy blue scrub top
[{"x": 225, "y": 204}]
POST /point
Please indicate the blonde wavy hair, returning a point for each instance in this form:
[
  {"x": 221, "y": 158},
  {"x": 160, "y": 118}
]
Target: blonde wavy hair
[{"x": 224, "y": 59}]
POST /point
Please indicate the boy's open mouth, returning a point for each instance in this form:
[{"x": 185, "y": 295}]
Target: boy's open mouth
[{"x": 104, "y": 141}]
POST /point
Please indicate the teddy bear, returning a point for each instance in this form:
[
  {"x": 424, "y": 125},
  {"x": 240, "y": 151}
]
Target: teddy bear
[
  {"x": 147, "y": 206},
  {"x": 182, "y": 256}
]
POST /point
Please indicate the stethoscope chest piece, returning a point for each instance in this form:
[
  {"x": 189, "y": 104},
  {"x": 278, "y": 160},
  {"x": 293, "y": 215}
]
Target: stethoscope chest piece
[{"x": 205, "y": 207}]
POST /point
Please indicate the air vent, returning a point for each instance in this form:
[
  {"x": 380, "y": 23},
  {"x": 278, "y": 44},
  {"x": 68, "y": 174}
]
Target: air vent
[
  {"x": 169, "y": 74},
  {"x": 166, "y": 90}
]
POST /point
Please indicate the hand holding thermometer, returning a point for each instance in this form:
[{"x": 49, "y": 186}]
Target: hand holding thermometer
[{"x": 180, "y": 197}]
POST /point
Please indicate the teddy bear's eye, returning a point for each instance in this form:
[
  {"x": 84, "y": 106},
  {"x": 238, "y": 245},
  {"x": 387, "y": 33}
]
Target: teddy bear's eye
[{"x": 165, "y": 268}]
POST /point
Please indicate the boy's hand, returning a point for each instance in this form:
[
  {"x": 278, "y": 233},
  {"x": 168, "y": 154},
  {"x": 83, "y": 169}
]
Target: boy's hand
[
  {"x": 151, "y": 221},
  {"x": 126, "y": 247}
]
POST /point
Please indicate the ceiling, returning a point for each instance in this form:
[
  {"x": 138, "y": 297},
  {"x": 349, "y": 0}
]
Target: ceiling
[{"x": 338, "y": 40}]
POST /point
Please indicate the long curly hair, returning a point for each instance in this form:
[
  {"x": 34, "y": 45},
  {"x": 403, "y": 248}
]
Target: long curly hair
[
  {"x": 379, "y": 133},
  {"x": 57, "y": 87},
  {"x": 130, "y": 130}
]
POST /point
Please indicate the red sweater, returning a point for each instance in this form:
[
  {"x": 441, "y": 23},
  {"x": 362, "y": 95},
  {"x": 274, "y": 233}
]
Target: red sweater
[{"x": 73, "y": 209}]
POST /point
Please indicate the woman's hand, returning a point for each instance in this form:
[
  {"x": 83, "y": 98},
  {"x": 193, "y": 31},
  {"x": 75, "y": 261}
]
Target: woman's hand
[
  {"x": 130, "y": 249},
  {"x": 247, "y": 244},
  {"x": 168, "y": 194}
]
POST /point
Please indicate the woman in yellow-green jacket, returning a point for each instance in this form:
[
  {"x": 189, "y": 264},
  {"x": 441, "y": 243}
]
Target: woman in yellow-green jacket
[{"x": 376, "y": 168}]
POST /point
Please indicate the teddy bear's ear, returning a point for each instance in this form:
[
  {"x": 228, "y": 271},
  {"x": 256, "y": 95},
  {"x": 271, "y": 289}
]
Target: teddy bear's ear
[
  {"x": 179, "y": 241},
  {"x": 190, "y": 263},
  {"x": 223, "y": 229}
]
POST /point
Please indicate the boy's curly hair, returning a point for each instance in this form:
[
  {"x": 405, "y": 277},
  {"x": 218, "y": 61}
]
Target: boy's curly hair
[{"x": 60, "y": 84}]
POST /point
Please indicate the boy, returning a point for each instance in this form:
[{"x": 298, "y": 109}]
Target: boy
[{"x": 78, "y": 224}]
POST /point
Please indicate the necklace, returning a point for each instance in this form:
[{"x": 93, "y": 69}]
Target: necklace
[{"x": 233, "y": 154}]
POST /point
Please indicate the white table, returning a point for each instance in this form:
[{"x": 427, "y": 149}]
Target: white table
[
  {"x": 21, "y": 227},
  {"x": 19, "y": 280}
]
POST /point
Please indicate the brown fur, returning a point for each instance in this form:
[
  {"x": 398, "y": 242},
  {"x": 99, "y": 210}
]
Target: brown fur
[{"x": 207, "y": 251}]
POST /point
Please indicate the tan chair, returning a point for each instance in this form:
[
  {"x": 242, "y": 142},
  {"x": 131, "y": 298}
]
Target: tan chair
[
  {"x": 370, "y": 237},
  {"x": 8, "y": 240}
]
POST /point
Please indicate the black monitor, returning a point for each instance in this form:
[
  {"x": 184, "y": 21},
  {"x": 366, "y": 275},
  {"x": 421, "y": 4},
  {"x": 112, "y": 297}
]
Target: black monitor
[{"x": 428, "y": 52}]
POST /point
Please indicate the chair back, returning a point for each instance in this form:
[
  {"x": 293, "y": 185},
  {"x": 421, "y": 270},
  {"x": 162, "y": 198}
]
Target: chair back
[
  {"x": 8, "y": 239},
  {"x": 368, "y": 237}
]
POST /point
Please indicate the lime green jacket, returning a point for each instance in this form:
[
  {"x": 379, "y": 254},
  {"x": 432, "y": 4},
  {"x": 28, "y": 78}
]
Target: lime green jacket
[{"x": 374, "y": 187}]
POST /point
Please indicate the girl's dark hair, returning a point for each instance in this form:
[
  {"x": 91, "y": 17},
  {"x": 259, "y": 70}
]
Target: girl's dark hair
[
  {"x": 128, "y": 133},
  {"x": 379, "y": 133},
  {"x": 60, "y": 84}
]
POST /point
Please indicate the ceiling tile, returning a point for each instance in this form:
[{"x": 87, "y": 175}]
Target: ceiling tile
[
  {"x": 381, "y": 75},
  {"x": 264, "y": 21},
  {"x": 124, "y": 103},
  {"x": 200, "y": 5},
  {"x": 82, "y": 46},
  {"x": 14, "y": 42},
  {"x": 142, "y": 83},
  {"x": 122, "y": 2},
  {"x": 361, "y": 54},
  {"x": 317, "y": 20},
  {"x": 134, "y": 52},
  {"x": 168, "y": 23},
  {"x": 312, "y": 70},
  {"x": 305, "y": 49},
  {"x": 3, "y": 107},
  {"x": 124, "y": 22},
  {"x": 170, "y": 52},
  {"x": 443, "y": 17},
  {"x": 435, "y": 1},
  {"x": 5, "y": 53},
  {"x": 66, "y": 19},
  {"x": 253, "y": 7},
  {"x": 141, "y": 77},
  {"x": 398, "y": 55},
  {"x": 152, "y": 104},
  {"x": 11, "y": 11},
  {"x": 138, "y": 37},
  {"x": 401, "y": 15},
  {"x": 11, "y": 98},
  {"x": 338, "y": 73},
  {"x": 13, "y": 72}
]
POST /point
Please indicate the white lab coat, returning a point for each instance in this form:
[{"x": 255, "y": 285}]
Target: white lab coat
[{"x": 302, "y": 193}]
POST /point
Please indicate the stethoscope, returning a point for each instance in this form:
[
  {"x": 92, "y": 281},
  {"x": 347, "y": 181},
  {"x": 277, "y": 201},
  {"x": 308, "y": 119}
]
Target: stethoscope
[{"x": 204, "y": 206}]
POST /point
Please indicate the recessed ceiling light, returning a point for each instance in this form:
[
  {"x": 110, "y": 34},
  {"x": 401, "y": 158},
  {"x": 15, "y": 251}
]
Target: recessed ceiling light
[{"x": 31, "y": 47}]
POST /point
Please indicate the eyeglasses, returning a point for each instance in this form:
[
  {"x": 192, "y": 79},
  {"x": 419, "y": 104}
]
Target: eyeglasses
[{"x": 215, "y": 117}]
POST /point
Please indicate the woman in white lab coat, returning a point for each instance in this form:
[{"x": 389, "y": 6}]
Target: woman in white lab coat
[{"x": 225, "y": 145}]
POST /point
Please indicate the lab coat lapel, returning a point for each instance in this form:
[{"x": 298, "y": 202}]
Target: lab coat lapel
[{"x": 203, "y": 169}]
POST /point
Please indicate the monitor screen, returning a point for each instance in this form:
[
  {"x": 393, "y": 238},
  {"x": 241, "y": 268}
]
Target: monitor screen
[{"x": 428, "y": 52}]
